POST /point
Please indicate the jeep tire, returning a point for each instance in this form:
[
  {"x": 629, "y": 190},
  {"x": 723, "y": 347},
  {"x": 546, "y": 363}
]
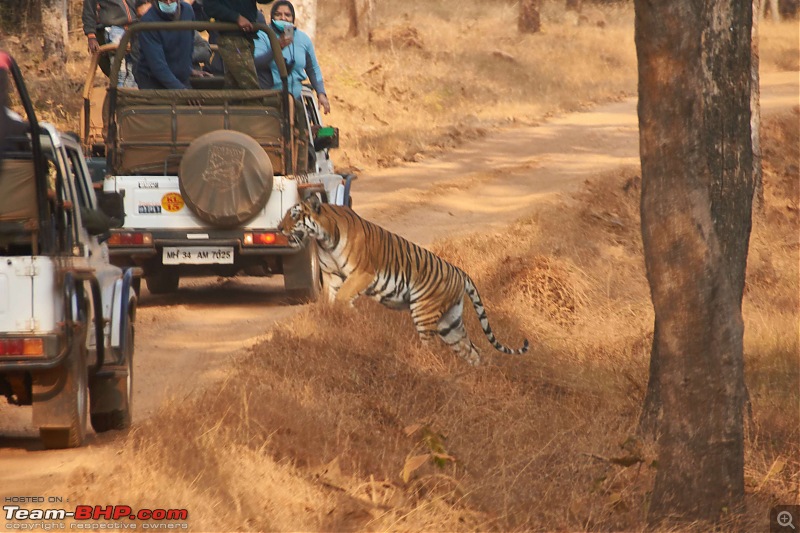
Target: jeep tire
[
  {"x": 70, "y": 401},
  {"x": 302, "y": 276},
  {"x": 112, "y": 397}
]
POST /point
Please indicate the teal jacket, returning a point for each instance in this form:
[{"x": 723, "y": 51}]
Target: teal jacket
[{"x": 300, "y": 60}]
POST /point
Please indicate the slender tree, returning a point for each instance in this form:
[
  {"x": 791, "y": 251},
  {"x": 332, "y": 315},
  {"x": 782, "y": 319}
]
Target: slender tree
[
  {"x": 529, "y": 20},
  {"x": 697, "y": 192},
  {"x": 54, "y": 29},
  {"x": 773, "y": 6},
  {"x": 360, "y": 15},
  {"x": 306, "y": 16}
]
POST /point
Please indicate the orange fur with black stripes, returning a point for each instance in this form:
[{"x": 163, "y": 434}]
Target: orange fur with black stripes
[{"x": 358, "y": 257}]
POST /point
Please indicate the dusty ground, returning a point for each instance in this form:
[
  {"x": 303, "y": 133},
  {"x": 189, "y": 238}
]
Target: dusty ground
[{"x": 185, "y": 341}]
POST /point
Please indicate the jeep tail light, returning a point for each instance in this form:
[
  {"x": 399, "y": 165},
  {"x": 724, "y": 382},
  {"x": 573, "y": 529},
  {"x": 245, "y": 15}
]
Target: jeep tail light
[
  {"x": 267, "y": 238},
  {"x": 130, "y": 238},
  {"x": 21, "y": 346}
]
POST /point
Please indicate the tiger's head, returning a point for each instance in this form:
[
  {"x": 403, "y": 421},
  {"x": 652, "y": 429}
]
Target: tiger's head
[{"x": 302, "y": 220}]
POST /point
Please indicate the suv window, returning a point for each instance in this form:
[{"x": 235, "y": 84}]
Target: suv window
[
  {"x": 70, "y": 218},
  {"x": 86, "y": 197}
]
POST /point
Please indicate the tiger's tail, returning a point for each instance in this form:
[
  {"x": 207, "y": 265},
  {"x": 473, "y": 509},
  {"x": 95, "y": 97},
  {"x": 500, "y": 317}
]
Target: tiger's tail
[{"x": 472, "y": 291}]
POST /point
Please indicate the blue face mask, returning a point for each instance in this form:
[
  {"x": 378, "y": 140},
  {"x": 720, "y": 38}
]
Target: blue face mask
[
  {"x": 169, "y": 9},
  {"x": 281, "y": 25}
]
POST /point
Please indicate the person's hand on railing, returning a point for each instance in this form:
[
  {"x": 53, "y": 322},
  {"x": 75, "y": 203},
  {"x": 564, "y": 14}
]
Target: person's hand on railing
[
  {"x": 94, "y": 46},
  {"x": 245, "y": 24},
  {"x": 323, "y": 101}
]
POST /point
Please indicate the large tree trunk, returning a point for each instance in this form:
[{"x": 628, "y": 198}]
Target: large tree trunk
[
  {"x": 529, "y": 20},
  {"x": 54, "y": 29},
  {"x": 697, "y": 192},
  {"x": 306, "y": 16}
]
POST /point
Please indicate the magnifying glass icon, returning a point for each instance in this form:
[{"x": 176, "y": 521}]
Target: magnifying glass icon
[{"x": 785, "y": 519}]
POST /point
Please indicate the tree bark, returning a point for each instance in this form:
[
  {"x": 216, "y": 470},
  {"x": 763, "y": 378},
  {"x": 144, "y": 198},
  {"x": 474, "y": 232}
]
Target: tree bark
[
  {"x": 306, "y": 16},
  {"x": 529, "y": 20},
  {"x": 697, "y": 192},
  {"x": 651, "y": 411},
  {"x": 352, "y": 13},
  {"x": 54, "y": 29},
  {"x": 755, "y": 107}
]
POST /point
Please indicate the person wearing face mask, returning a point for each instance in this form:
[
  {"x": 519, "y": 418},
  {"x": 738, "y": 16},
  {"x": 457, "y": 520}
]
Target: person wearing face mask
[
  {"x": 298, "y": 54},
  {"x": 236, "y": 48},
  {"x": 165, "y": 60}
]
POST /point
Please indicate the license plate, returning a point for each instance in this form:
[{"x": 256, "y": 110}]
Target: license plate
[{"x": 198, "y": 255}]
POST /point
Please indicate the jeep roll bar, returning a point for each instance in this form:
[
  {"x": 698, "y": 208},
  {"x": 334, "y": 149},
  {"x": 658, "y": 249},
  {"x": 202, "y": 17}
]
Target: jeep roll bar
[
  {"x": 122, "y": 49},
  {"x": 48, "y": 239}
]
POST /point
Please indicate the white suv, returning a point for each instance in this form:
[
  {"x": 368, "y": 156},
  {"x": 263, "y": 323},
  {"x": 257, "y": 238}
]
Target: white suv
[{"x": 66, "y": 314}]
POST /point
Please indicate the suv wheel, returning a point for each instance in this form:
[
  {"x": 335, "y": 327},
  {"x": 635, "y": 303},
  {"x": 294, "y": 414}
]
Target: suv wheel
[
  {"x": 302, "y": 274},
  {"x": 74, "y": 398},
  {"x": 114, "y": 396}
]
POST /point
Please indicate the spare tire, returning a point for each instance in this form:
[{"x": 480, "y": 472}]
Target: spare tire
[{"x": 225, "y": 177}]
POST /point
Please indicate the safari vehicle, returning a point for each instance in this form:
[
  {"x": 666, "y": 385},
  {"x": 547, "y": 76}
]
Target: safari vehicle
[
  {"x": 202, "y": 177},
  {"x": 66, "y": 314}
]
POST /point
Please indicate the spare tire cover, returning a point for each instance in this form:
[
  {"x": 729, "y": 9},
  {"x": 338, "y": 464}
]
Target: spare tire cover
[{"x": 225, "y": 177}]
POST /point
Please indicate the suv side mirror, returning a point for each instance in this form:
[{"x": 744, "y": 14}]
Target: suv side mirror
[
  {"x": 95, "y": 221},
  {"x": 326, "y": 137},
  {"x": 112, "y": 204}
]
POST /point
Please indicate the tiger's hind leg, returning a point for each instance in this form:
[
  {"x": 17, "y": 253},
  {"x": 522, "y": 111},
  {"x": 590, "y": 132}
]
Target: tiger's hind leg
[
  {"x": 452, "y": 331},
  {"x": 449, "y": 327},
  {"x": 424, "y": 323}
]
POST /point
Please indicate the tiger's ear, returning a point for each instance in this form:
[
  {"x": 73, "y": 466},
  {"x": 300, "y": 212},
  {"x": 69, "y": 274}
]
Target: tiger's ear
[{"x": 314, "y": 203}]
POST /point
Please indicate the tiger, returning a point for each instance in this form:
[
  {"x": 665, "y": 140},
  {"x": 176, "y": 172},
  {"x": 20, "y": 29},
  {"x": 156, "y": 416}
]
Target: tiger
[{"x": 358, "y": 257}]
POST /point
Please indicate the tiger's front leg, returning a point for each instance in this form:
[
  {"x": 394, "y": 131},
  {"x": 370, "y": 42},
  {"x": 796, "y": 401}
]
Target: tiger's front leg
[
  {"x": 354, "y": 285},
  {"x": 332, "y": 276},
  {"x": 331, "y": 283}
]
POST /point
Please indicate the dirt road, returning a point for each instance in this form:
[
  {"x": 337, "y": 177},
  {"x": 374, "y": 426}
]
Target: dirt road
[{"x": 185, "y": 341}]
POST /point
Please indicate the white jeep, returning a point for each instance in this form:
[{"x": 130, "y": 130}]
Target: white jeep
[
  {"x": 66, "y": 314},
  {"x": 202, "y": 177}
]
